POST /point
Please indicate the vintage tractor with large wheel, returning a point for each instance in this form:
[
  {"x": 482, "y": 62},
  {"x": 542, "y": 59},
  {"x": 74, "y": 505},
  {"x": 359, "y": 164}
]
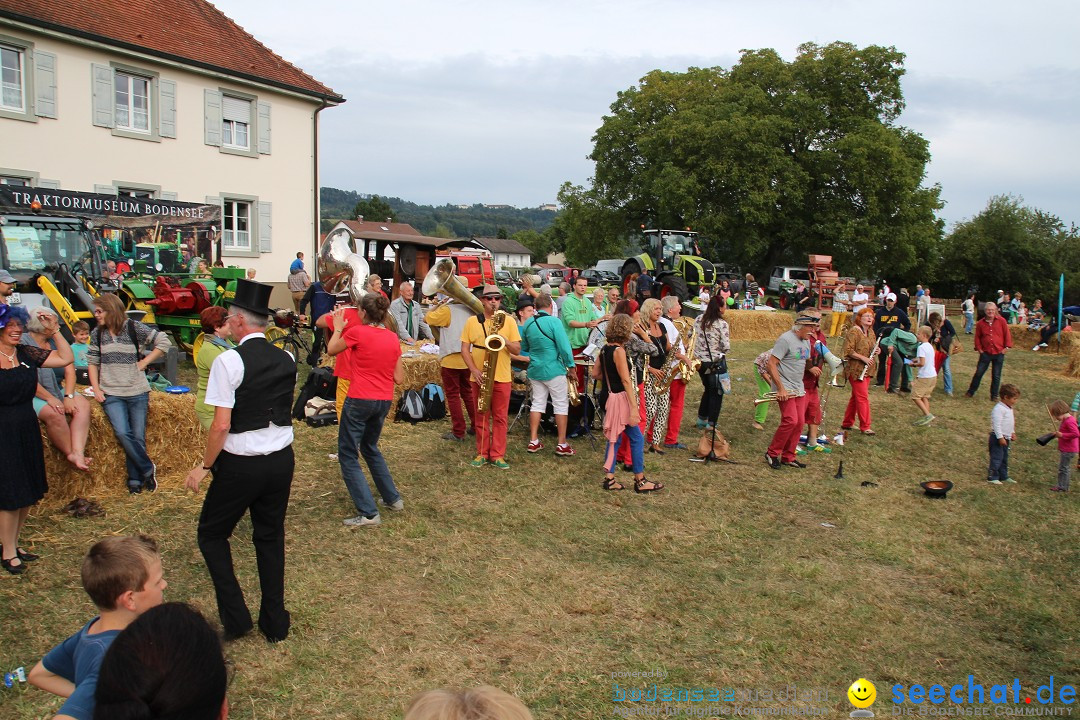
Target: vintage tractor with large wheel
[{"x": 674, "y": 262}]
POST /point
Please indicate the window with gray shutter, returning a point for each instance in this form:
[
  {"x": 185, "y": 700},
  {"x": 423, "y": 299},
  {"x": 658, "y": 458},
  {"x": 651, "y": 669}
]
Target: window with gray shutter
[
  {"x": 44, "y": 84},
  {"x": 265, "y": 244},
  {"x": 102, "y": 95},
  {"x": 212, "y": 117},
  {"x": 167, "y": 92},
  {"x": 264, "y": 128}
]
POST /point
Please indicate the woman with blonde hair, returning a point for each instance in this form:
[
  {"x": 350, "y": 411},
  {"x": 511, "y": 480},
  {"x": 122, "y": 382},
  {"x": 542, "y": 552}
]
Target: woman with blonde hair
[
  {"x": 118, "y": 379},
  {"x": 482, "y": 703},
  {"x": 657, "y": 403}
]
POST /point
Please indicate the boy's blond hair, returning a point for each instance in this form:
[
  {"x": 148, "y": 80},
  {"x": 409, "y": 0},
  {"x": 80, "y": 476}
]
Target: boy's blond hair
[
  {"x": 925, "y": 330},
  {"x": 482, "y": 703},
  {"x": 115, "y": 565}
]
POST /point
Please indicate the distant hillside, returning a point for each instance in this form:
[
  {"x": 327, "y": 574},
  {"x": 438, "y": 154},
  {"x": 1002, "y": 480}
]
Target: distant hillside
[{"x": 476, "y": 220}]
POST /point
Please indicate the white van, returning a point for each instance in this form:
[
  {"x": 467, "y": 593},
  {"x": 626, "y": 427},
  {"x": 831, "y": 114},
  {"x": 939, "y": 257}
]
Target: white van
[{"x": 787, "y": 273}]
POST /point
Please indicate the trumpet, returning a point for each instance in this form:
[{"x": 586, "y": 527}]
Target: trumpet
[{"x": 771, "y": 396}]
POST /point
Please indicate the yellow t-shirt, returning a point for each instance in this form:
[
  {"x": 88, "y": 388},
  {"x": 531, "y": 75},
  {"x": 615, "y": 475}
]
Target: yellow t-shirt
[{"x": 475, "y": 333}]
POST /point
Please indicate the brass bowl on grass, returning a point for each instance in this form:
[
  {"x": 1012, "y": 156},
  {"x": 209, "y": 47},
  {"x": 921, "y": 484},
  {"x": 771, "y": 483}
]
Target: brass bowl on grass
[{"x": 937, "y": 488}]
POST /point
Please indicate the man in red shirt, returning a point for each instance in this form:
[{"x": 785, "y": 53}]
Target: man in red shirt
[{"x": 992, "y": 339}]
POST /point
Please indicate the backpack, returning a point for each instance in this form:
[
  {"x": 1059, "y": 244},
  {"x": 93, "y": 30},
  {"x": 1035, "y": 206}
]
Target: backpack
[
  {"x": 320, "y": 383},
  {"x": 410, "y": 407},
  {"x": 434, "y": 402}
]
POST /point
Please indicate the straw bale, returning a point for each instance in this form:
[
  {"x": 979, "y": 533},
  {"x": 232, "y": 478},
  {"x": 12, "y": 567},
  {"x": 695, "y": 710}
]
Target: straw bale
[
  {"x": 758, "y": 324},
  {"x": 1027, "y": 339},
  {"x": 1074, "y": 360},
  {"x": 174, "y": 440}
]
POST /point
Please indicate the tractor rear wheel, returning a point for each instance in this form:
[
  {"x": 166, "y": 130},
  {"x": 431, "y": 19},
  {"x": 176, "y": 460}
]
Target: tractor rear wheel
[{"x": 674, "y": 285}]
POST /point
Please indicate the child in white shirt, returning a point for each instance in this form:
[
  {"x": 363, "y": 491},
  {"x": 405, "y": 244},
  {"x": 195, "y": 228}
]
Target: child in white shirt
[
  {"x": 926, "y": 379},
  {"x": 1002, "y": 433}
]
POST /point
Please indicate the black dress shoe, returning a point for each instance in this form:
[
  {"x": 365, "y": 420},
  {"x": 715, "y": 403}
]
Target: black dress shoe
[
  {"x": 26, "y": 556},
  {"x": 793, "y": 463},
  {"x": 13, "y": 569}
]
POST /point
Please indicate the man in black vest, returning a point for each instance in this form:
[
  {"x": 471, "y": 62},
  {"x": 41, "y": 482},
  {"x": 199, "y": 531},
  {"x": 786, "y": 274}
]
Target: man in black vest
[{"x": 250, "y": 454}]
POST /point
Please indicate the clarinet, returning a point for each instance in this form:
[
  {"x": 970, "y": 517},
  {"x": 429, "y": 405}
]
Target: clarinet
[{"x": 873, "y": 354}]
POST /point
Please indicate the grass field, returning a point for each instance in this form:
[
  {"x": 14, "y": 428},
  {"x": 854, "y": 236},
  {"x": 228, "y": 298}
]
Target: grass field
[{"x": 537, "y": 581}]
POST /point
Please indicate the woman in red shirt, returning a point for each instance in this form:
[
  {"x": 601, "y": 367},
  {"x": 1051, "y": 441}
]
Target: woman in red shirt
[{"x": 372, "y": 355}]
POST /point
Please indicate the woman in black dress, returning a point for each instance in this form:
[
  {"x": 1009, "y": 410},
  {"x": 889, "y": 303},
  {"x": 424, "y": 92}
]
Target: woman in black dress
[{"x": 23, "y": 482}]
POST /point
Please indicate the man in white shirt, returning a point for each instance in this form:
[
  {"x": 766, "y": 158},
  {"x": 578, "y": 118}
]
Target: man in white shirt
[
  {"x": 860, "y": 299},
  {"x": 249, "y": 450}
]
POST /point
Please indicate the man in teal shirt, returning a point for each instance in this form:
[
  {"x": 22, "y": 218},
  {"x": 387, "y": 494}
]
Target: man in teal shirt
[{"x": 544, "y": 342}]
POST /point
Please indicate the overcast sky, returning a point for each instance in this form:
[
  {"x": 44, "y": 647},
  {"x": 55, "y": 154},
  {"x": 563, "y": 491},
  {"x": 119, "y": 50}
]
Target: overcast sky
[{"x": 478, "y": 101}]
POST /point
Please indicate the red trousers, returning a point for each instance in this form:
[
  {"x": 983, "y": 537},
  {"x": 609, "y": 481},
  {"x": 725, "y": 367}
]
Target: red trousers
[
  {"x": 458, "y": 388},
  {"x": 624, "y": 442},
  {"x": 494, "y": 447},
  {"x": 786, "y": 439},
  {"x": 859, "y": 404},
  {"x": 674, "y": 421},
  {"x": 579, "y": 369}
]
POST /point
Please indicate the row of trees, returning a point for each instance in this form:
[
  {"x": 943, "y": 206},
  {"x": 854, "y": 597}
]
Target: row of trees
[
  {"x": 442, "y": 221},
  {"x": 772, "y": 160}
]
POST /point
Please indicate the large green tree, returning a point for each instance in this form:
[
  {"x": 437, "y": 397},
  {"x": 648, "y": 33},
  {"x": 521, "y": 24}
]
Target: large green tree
[
  {"x": 1010, "y": 246},
  {"x": 375, "y": 209},
  {"x": 770, "y": 160}
]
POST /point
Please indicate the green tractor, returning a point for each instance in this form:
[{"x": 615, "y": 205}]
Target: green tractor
[{"x": 674, "y": 262}]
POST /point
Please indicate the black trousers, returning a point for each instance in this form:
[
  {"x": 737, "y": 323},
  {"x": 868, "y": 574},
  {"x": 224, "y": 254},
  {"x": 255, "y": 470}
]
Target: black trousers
[{"x": 260, "y": 484}]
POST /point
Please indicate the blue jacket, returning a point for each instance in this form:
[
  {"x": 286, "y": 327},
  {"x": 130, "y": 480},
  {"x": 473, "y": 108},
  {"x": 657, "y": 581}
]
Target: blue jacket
[{"x": 544, "y": 342}]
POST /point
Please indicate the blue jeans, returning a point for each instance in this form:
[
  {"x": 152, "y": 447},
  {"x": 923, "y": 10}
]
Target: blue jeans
[
  {"x": 127, "y": 415},
  {"x": 946, "y": 374},
  {"x": 637, "y": 450},
  {"x": 969, "y": 322},
  {"x": 999, "y": 459},
  {"x": 358, "y": 434},
  {"x": 987, "y": 360}
]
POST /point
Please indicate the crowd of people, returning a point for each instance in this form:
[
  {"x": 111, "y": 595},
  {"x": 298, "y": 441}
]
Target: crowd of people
[{"x": 638, "y": 359}]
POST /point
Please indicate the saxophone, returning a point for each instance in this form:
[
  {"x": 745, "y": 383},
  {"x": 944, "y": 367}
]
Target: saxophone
[
  {"x": 494, "y": 343},
  {"x": 688, "y": 368}
]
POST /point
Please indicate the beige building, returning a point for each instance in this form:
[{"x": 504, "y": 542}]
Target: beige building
[{"x": 172, "y": 101}]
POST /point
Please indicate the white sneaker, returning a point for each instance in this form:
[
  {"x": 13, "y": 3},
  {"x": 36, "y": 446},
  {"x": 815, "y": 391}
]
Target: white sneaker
[
  {"x": 361, "y": 521},
  {"x": 396, "y": 506},
  {"x": 995, "y": 481},
  {"x": 1035, "y": 349}
]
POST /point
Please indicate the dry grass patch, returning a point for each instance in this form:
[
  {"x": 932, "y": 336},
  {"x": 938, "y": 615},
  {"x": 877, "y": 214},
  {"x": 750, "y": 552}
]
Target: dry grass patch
[{"x": 538, "y": 582}]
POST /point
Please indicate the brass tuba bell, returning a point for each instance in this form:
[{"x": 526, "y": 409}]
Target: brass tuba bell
[
  {"x": 341, "y": 269},
  {"x": 440, "y": 279}
]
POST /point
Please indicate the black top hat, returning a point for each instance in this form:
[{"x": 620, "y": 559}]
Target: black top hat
[{"x": 252, "y": 296}]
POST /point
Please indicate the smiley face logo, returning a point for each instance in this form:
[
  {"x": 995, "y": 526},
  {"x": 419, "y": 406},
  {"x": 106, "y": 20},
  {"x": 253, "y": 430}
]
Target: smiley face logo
[{"x": 862, "y": 693}]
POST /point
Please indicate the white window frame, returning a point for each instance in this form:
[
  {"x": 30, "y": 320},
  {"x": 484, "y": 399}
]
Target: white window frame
[
  {"x": 230, "y": 128},
  {"x": 20, "y": 57},
  {"x": 222, "y": 127},
  {"x": 131, "y": 79},
  {"x": 229, "y": 241}
]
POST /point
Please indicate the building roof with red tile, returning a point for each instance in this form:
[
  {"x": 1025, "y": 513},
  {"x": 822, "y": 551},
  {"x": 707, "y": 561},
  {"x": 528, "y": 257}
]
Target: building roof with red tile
[{"x": 193, "y": 32}]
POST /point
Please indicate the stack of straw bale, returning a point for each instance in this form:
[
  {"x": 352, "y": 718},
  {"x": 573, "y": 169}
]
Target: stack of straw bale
[
  {"x": 174, "y": 440},
  {"x": 758, "y": 324}
]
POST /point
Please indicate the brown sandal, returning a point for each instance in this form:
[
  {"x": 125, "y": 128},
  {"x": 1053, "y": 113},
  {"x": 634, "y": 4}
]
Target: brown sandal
[
  {"x": 639, "y": 485},
  {"x": 610, "y": 483}
]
